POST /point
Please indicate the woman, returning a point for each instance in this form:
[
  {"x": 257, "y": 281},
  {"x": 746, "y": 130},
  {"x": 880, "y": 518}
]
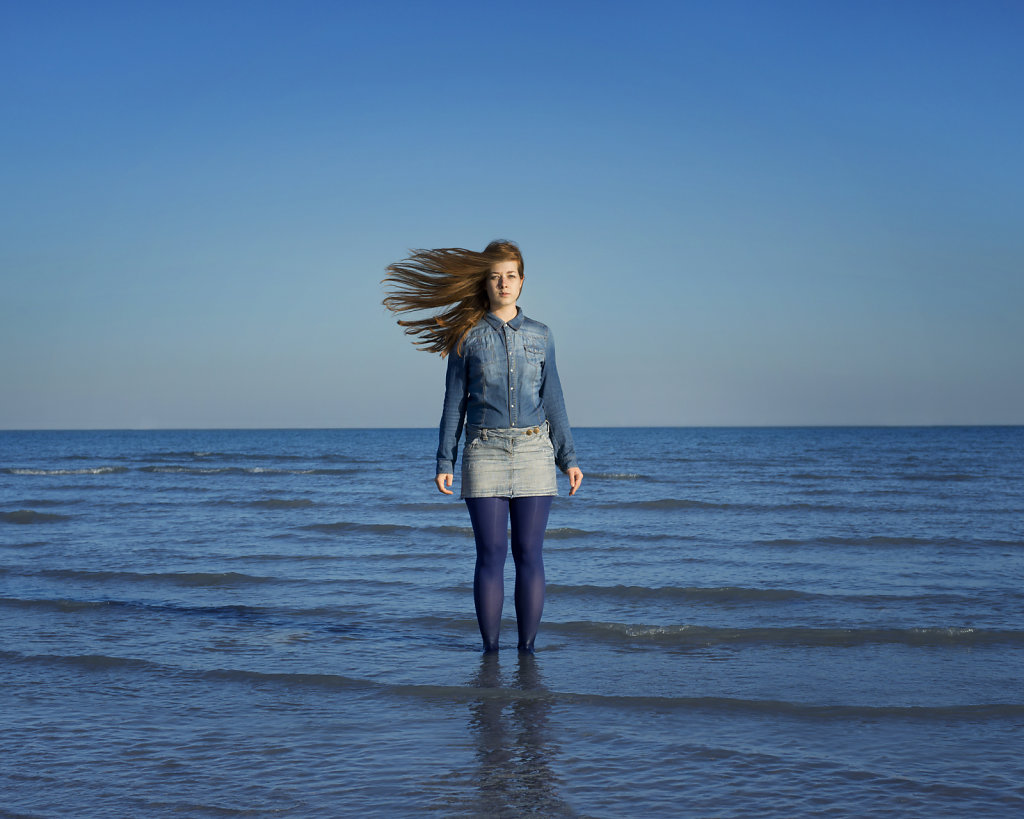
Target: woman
[{"x": 502, "y": 385}]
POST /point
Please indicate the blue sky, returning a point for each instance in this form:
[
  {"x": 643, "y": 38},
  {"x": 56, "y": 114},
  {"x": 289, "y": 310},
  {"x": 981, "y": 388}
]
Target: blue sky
[{"x": 733, "y": 213}]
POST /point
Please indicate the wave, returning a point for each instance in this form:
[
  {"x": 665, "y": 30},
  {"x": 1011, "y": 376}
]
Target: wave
[
  {"x": 26, "y": 503},
  {"x": 937, "y": 477},
  {"x": 29, "y": 516},
  {"x": 282, "y": 503},
  {"x": 202, "y": 455},
  {"x": 270, "y": 557},
  {"x": 91, "y": 662},
  {"x": 96, "y": 470},
  {"x": 671, "y": 503},
  {"x": 235, "y": 611},
  {"x": 81, "y": 456},
  {"x": 938, "y": 713},
  {"x": 188, "y": 453},
  {"x": 62, "y": 605},
  {"x": 805, "y": 507},
  {"x": 177, "y": 578},
  {"x": 427, "y": 507},
  {"x": 690, "y": 636},
  {"x": 618, "y": 476},
  {"x": 468, "y": 694},
  {"x": 567, "y": 533},
  {"x": 408, "y": 554},
  {"x": 244, "y": 470},
  {"x": 329, "y": 617},
  {"x": 724, "y": 594},
  {"x": 344, "y": 527},
  {"x": 105, "y": 662},
  {"x": 557, "y": 533},
  {"x": 895, "y": 541},
  {"x": 664, "y": 504},
  {"x": 458, "y": 531}
]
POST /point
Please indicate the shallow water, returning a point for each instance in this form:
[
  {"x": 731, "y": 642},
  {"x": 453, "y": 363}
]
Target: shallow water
[{"x": 740, "y": 622}]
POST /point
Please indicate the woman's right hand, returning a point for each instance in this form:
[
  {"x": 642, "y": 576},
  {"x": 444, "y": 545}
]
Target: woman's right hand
[{"x": 445, "y": 479}]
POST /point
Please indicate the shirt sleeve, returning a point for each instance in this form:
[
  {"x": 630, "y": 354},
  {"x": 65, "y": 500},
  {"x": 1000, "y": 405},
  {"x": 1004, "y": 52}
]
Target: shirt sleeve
[
  {"x": 452, "y": 414},
  {"x": 554, "y": 410}
]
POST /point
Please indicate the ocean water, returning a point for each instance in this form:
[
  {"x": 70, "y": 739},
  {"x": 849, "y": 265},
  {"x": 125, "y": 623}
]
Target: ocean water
[{"x": 739, "y": 623}]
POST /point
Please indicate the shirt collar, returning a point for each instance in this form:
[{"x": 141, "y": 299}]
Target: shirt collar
[{"x": 514, "y": 323}]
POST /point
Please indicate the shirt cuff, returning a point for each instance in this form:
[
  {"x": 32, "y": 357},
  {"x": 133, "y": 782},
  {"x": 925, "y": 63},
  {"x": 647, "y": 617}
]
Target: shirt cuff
[{"x": 445, "y": 468}]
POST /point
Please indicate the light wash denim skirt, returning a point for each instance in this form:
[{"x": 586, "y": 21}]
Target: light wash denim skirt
[{"x": 508, "y": 463}]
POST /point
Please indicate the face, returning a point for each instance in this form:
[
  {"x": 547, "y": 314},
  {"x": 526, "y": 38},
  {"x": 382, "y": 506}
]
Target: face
[{"x": 504, "y": 284}]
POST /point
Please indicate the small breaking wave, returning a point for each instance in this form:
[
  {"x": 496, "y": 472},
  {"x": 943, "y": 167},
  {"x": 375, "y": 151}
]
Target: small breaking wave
[
  {"x": 282, "y": 457},
  {"x": 692, "y": 636},
  {"x": 566, "y": 533},
  {"x": 96, "y": 470},
  {"x": 178, "y": 469}
]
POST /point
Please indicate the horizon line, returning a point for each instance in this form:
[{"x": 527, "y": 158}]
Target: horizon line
[{"x": 575, "y": 427}]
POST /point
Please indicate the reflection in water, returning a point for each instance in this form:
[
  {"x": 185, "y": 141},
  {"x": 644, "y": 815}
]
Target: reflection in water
[{"x": 513, "y": 746}]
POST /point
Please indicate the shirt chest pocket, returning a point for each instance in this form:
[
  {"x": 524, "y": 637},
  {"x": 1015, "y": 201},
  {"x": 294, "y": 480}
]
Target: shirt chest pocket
[
  {"x": 533, "y": 366},
  {"x": 481, "y": 353}
]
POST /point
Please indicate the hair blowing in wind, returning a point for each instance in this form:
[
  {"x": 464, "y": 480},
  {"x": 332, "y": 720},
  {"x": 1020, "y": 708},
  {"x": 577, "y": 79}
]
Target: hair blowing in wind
[{"x": 449, "y": 277}]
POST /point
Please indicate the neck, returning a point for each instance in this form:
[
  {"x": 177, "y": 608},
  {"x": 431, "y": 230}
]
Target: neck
[{"x": 506, "y": 313}]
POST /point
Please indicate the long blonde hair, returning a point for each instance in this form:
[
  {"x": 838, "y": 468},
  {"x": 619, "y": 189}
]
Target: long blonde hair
[{"x": 449, "y": 277}]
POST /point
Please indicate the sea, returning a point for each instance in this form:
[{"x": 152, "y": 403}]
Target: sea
[{"x": 756, "y": 622}]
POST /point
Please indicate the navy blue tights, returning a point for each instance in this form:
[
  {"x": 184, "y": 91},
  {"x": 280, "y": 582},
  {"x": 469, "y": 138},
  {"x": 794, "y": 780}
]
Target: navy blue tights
[{"x": 490, "y": 517}]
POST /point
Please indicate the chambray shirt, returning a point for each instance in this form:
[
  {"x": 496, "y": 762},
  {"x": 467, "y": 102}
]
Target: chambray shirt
[{"x": 504, "y": 377}]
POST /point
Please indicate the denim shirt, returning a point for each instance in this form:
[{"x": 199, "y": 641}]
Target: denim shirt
[{"x": 504, "y": 377}]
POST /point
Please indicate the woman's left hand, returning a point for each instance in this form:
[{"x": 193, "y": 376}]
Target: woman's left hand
[{"x": 575, "y": 479}]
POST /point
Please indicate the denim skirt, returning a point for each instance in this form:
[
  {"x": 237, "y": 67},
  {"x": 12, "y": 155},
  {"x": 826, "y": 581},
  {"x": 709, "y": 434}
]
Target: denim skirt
[{"x": 508, "y": 463}]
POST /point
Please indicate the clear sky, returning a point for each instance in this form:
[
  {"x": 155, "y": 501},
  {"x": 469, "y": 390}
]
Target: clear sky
[{"x": 732, "y": 213}]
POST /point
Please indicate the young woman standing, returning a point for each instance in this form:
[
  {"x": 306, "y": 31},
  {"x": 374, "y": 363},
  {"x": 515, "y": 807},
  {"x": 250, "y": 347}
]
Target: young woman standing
[{"x": 501, "y": 386}]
